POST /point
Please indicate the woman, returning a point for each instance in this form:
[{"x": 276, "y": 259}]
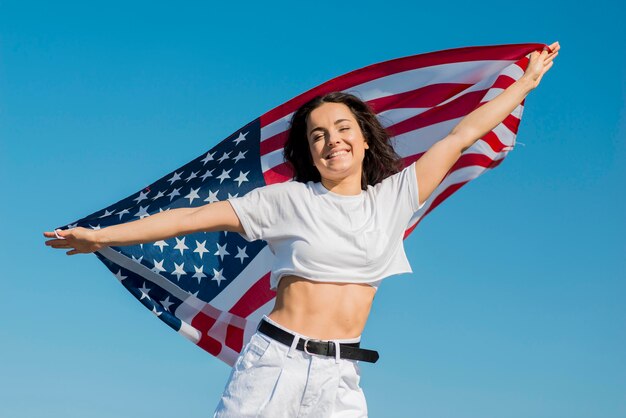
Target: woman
[{"x": 336, "y": 232}]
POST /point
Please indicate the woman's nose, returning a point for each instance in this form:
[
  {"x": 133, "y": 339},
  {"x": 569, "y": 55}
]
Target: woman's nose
[{"x": 332, "y": 139}]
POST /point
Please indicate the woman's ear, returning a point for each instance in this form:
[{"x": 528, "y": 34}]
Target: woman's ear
[{"x": 366, "y": 145}]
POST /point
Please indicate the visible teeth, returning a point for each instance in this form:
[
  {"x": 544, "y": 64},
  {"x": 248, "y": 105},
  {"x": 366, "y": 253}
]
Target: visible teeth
[{"x": 334, "y": 154}]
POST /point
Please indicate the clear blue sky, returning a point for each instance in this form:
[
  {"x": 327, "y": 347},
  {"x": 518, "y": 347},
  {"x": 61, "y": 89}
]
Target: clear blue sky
[{"x": 516, "y": 307}]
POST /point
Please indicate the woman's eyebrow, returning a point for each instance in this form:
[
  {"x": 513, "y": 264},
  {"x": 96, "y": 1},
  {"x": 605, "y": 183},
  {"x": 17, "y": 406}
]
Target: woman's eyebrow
[{"x": 318, "y": 128}]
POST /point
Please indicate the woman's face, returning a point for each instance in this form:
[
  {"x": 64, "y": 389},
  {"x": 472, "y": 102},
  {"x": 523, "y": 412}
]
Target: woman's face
[{"x": 336, "y": 142}]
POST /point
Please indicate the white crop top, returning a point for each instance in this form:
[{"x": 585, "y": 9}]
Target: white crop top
[{"x": 324, "y": 236}]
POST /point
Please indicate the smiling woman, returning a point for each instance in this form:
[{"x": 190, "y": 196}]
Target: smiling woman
[
  {"x": 323, "y": 129},
  {"x": 335, "y": 232}
]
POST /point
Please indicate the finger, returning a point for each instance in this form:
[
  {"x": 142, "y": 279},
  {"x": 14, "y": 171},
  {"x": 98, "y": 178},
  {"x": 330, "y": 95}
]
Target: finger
[
  {"x": 59, "y": 243},
  {"x": 56, "y": 242},
  {"x": 72, "y": 252},
  {"x": 551, "y": 57}
]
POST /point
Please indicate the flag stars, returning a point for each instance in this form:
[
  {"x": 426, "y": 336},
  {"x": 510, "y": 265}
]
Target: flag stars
[
  {"x": 224, "y": 157},
  {"x": 241, "y": 253},
  {"x": 201, "y": 248},
  {"x": 212, "y": 197},
  {"x": 225, "y": 175},
  {"x": 142, "y": 196},
  {"x": 105, "y": 214},
  {"x": 137, "y": 260},
  {"x": 175, "y": 178},
  {"x": 159, "y": 195},
  {"x": 199, "y": 273},
  {"x": 154, "y": 311},
  {"x": 144, "y": 291},
  {"x": 95, "y": 228},
  {"x": 174, "y": 193},
  {"x": 208, "y": 157},
  {"x": 207, "y": 174},
  {"x": 179, "y": 270},
  {"x": 119, "y": 276},
  {"x": 221, "y": 251},
  {"x": 232, "y": 196},
  {"x": 242, "y": 177},
  {"x": 240, "y": 156},
  {"x": 240, "y": 138},
  {"x": 158, "y": 266},
  {"x": 192, "y": 176},
  {"x": 193, "y": 194},
  {"x": 166, "y": 303},
  {"x": 161, "y": 244},
  {"x": 143, "y": 212},
  {"x": 180, "y": 245},
  {"x": 123, "y": 212},
  {"x": 218, "y": 277}
]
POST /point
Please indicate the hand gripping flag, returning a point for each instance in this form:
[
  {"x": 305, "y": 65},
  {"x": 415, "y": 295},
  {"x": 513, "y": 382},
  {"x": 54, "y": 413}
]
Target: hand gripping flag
[{"x": 213, "y": 287}]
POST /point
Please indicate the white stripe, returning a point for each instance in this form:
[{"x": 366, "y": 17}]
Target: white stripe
[
  {"x": 471, "y": 72},
  {"x": 144, "y": 272},
  {"x": 272, "y": 159},
  {"x": 276, "y": 127},
  {"x": 189, "y": 332},
  {"x": 258, "y": 267},
  {"x": 393, "y": 116},
  {"x": 421, "y": 140},
  {"x": 479, "y": 73}
]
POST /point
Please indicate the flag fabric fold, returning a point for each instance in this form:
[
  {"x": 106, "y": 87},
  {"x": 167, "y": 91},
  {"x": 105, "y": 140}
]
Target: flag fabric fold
[{"x": 213, "y": 287}]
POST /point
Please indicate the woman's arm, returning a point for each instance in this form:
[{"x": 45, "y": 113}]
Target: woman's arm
[
  {"x": 217, "y": 216},
  {"x": 432, "y": 167}
]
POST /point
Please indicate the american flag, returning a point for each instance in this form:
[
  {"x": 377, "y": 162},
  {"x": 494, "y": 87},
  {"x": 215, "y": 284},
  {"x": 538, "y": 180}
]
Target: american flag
[{"x": 213, "y": 288}]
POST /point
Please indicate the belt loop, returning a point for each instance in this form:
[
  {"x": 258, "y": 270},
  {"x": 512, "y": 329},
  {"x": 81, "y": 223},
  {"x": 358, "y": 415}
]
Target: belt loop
[
  {"x": 294, "y": 343},
  {"x": 337, "y": 351}
]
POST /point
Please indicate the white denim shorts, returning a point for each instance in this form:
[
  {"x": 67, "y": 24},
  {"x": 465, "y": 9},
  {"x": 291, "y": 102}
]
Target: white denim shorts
[{"x": 274, "y": 380}]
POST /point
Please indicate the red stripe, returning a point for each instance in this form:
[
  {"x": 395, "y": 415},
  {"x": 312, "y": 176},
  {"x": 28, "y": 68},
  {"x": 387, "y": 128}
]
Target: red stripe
[
  {"x": 234, "y": 337},
  {"x": 428, "y": 96},
  {"x": 351, "y": 79},
  {"x": 503, "y": 81},
  {"x": 282, "y": 172},
  {"x": 256, "y": 296},
  {"x": 512, "y": 123},
  {"x": 273, "y": 143},
  {"x": 459, "y": 107},
  {"x": 203, "y": 322}
]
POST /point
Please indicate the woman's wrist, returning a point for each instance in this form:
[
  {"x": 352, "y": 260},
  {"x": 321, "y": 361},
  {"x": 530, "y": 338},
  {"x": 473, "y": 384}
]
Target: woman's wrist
[
  {"x": 100, "y": 238},
  {"x": 526, "y": 83}
]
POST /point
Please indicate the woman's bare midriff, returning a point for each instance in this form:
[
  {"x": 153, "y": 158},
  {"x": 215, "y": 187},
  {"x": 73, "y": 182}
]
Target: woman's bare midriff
[{"x": 322, "y": 310}]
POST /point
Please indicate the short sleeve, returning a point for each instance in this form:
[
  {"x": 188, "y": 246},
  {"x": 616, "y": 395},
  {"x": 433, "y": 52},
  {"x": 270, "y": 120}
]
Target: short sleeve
[
  {"x": 402, "y": 190},
  {"x": 411, "y": 181},
  {"x": 264, "y": 211}
]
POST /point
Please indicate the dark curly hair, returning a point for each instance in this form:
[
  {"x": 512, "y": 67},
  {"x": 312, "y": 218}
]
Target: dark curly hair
[{"x": 381, "y": 161}]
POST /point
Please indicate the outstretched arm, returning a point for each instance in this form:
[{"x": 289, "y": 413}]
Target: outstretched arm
[
  {"x": 218, "y": 216},
  {"x": 432, "y": 167}
]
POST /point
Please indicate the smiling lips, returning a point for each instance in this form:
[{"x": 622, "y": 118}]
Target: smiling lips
[{"x": 336, "y": 154}]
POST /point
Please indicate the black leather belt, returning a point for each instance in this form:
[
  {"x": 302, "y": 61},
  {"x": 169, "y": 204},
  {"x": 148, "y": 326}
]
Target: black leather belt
[{"x": 351, "y": 351}]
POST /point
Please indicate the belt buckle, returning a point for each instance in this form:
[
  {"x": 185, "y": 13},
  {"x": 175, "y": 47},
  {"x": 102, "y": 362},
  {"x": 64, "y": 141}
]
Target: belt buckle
[{"x": 306, "y": 341}]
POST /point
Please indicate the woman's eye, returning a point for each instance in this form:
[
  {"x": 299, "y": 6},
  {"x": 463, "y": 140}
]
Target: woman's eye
[{"x": 345, "y": 128}]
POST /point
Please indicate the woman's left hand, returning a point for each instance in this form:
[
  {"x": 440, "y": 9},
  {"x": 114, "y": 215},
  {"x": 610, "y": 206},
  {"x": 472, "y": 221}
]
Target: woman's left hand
[{"x": 540, "y": 63}]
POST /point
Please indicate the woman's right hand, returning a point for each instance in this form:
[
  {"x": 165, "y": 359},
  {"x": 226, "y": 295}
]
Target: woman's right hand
[{"x": 80, "y": 240}]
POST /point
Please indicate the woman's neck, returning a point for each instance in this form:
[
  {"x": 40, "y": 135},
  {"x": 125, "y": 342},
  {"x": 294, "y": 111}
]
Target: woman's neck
[{"x": 348, "y": 186}]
